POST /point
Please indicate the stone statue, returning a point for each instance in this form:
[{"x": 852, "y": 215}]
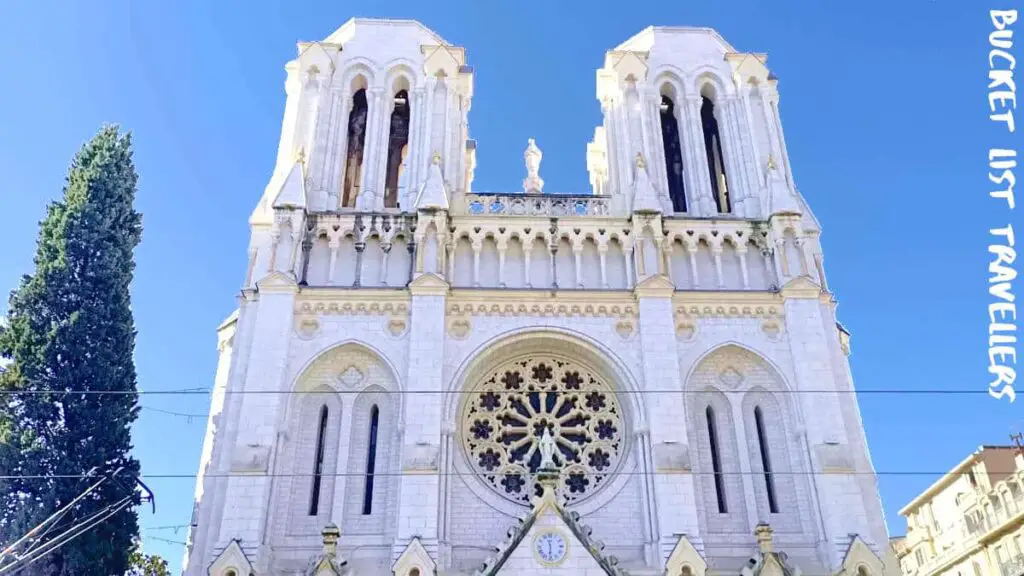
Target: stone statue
[
  {"x": 547, "y": 448},
  {"x": 533, "y": 183}
]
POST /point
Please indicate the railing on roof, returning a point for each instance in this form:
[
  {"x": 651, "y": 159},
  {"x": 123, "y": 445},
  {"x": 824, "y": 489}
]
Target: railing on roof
[{"x": 545, "y": 205}]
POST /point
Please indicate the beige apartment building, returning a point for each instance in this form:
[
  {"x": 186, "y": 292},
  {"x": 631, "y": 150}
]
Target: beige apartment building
[{"x": 970, "y": 522}]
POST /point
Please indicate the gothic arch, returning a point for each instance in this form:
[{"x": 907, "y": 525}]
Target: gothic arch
[
  {"x": 354, "y": 344},
  {"x": 708, "y": 75},
  {"x": 355, "y": 67},
  {"x": 401, "y": 69}
]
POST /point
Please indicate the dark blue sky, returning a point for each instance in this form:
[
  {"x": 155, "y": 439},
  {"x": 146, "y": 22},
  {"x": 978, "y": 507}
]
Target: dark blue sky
[{"x": 883, "y": 105}]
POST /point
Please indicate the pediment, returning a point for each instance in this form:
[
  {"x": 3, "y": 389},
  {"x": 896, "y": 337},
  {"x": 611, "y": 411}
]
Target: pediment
[
  {"x": 277, "y": 282},
  {"x": 684, "y": 555},
  {"x": 231, "y": 558},
  {"x": 414, "y": 556},
  {"x": 860, "y": 554},
  {"x": 428, "y": 284},
  {"x": 654, "y": 286},
  {"x": 801, "y": 287},
  {"x": 316, "y": 54}
]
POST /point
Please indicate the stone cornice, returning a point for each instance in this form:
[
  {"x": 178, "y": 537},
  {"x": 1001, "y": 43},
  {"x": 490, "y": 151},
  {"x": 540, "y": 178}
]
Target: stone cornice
[
  {"x": 331, "y": 301},
  {"x": 596, "y": 303}
]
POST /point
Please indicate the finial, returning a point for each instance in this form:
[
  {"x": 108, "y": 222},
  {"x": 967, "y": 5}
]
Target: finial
[
  {"x": 436, "y": 158},
  {"x": 640, "y": 161},
  {"x": 300, "y": 155},
  {"x": 763, "y": 533},
  {"x": 330, "y": 535}
]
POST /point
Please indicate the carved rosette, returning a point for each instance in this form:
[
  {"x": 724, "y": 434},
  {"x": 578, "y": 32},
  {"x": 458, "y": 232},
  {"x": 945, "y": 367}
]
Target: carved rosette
[{"x": 507, "y": 412}]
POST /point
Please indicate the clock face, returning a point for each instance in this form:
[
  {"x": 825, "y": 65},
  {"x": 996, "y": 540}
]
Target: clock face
[{"x": 550, "y": 547}]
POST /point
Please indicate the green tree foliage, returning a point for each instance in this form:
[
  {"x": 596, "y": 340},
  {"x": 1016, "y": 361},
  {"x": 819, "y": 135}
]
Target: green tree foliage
[
  {"x": 145, "y": 565},
  {"x": 69, "y": 333}
]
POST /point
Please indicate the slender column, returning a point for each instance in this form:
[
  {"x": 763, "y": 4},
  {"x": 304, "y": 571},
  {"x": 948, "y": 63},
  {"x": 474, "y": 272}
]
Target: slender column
[
  {"x": 638, "y": 258},
  {"x": 426, "y": 140},
  {"x": 781, "y": 262},
  {"x": 307, "y": 247},
  {"x": 773, "y": 134},
  {"x": 691, "y": 251},
  {"x": 805, "y": 255},
  {"x": 741, "y": 251},
  {"x": 367, "y": 178},
  {"x": 360, "y": 246},
  {"x": 577, "y": 254},
  {"x": 628, "y": 257},
  {"x": 702, "y": 172},
  {"x": 602, "y": 254},
  {"x": 386, "y": 248},
  {"x": 554, "y": 265},
  {"x": 527, "y": 251},
  {"x": 716, "y": 251},
  {"x": 386, "y": 104},
  {"x": 667, "y": 253},
  {"x": 611, "y": 152},
  {"x": 448, "y": 160},
  {"x": 451, "y": 247},
  {"x": 296, "y": 247},
  {"x": 735, "y": 186},
  {"x": 415, "y": 149},
  {"x": 502, "y": 248},
  {"x": 622, "y": 145},
  {"x": 411, "y": 247},
  {"x": 820, "y": 265},
  {"x": 337, "y": 180},
  {"x": 477, "y": 247},
  {"x": 770, "y": 265},
  {"x": 334, "y": 244}
]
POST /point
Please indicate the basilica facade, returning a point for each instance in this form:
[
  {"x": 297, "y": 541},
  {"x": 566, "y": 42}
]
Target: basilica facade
[{"x": 642, "y": 378}]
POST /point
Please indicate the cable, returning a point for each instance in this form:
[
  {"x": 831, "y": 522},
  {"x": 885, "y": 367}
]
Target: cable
[
  {"x": 196, "y": 391},
  {"x": 481, "y": 474}
]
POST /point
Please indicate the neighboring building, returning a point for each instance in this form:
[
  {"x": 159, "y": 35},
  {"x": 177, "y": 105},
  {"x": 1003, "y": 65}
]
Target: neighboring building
[
  {"x": 404, "y": 345},
  {"x": 971, "y": 521}
]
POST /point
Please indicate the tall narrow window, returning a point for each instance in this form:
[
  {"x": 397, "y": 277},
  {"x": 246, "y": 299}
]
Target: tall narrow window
[
  {"x": 354, "y": 154},
  {"x": 318, "y": 463},
  {"x": 371, "y": 460},
  {"x": 766, "y": 463},
  {"x": 716, "y": 162},
  {"x": 673, "y": 154},
  {"x": 397, "y": 142},
  {"x": 716, "y": 460}
]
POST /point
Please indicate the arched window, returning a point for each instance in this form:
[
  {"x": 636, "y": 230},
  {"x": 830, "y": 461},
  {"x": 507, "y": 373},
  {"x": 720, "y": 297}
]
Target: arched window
[
  {"x": 354, "y": 154},
  {"x": 766, "y": 462},
  {"x": 371, "y": 457},
  {"x": 713, "y": 148},
  {"x": 318, "y": 463},
  {"x": 673, "y": 154},
  {"x": 414, "y": 572},
  {"x": 716, "y": 460},
  {"x": 397, "y": 142}
]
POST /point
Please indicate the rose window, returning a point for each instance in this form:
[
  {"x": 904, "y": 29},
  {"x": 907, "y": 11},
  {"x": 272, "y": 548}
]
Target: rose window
[{"x": 505, "y": 416}]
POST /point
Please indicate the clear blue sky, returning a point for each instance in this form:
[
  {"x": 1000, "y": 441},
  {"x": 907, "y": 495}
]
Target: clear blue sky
[{"x": 883, "y": 105}]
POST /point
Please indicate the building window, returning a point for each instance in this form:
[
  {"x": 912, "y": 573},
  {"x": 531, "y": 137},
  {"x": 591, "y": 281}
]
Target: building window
[
  {"x": 354, "y": 154},
  {"x": 398, "y": 145},
  {"x": 716, "y": 460},
  {"x": 919, "y": 556},
  {"x": 318, "y": 463},
  {"x": 371, "y": 458},
  {"x": 673, "y": 154},
  {"x": 716, "y": 161},
  {"x": 766, "y": 462}
]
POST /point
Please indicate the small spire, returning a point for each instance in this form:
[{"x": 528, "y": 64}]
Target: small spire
[
  {"x": 436, "y": 158},
  {"x": 645, "y": 199},
  {"x": 640, "y": 161},
  {"x": 330, "y": 534},
  {"x": 433, "y": 195},
  {"x": 771, "y": 162},
  {"x": 763, "y": 533}
]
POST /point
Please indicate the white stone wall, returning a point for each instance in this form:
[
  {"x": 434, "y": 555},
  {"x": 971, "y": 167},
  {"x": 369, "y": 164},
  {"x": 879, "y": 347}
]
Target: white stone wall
[{"x": 676, "y": 313}]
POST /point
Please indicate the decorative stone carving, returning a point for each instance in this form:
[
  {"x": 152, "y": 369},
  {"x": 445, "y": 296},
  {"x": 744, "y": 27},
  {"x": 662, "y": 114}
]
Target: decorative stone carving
[
  {"x": 772, "y": 329},
  {"x": 624, "y": 328},
  {"x": 307, "y": 328},
  {"x": 547, "y": 450},
  {"x": 397, "y": 326},
  {"x": 420, "y": 457},
  {"x": 533, "y": 183},
  {"x": 251, "y": 459},
  {"x": 834, "y": 457},
  {"x": 686, "y": 330},
  {"x": 671, "y": 457},
  {"x": 730, "y": 378},
  {"x": 459, "y": 328},
  {"x": 509, "y": 410},
  {"x": 351, "y": 377}
]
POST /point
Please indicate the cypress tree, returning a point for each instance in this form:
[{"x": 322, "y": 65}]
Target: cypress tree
[{"x": 68, "y": 334}]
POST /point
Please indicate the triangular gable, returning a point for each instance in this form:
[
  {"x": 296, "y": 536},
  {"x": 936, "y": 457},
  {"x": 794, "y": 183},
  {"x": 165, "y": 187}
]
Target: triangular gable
[
  {"x": 414, "y": 556},
  {"x": 858, "y": 555},
  {"x": 433, "y": 195},
  {"x": 231, "y": 558},
  {"x": 683, "y": 556},
  {"x": 746, "y": 66},
  {"x": 629, "y": 63},
  {"x": 292, "y": 193},
  {"x": 447, "y": 58},
  {"x": 521, "y": 553}
]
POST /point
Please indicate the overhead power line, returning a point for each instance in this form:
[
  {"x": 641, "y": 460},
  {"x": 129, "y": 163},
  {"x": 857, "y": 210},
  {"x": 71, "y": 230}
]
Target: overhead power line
[{"x": 201, "y": 392}]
